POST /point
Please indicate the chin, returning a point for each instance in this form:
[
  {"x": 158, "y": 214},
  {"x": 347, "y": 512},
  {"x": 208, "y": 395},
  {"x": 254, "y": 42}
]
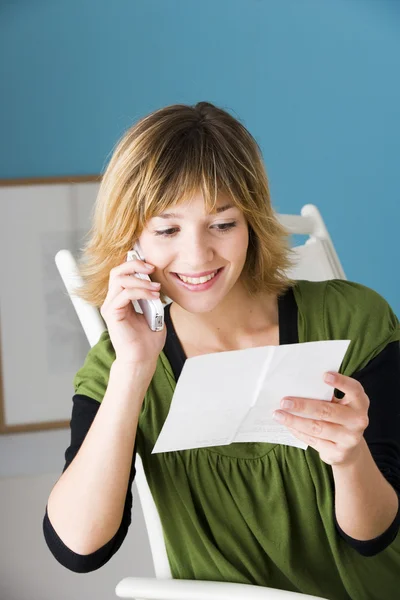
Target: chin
[{"x": 196, "y": 305}]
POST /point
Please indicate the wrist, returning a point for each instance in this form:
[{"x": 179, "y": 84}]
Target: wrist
[
  {"x": 128, "y": 384},
  {"x": 131, "y": 371},
  {"x": 358, "y": 458}
]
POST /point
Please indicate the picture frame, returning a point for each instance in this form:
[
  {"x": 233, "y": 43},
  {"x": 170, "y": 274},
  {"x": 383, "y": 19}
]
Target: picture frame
[{"x": 42, "y": 344}]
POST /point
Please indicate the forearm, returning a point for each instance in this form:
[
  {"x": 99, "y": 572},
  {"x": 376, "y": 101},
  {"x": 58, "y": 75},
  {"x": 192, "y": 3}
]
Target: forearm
[
  {"x": 365, "y": 502},
  {"x": 86, "y": 505}
]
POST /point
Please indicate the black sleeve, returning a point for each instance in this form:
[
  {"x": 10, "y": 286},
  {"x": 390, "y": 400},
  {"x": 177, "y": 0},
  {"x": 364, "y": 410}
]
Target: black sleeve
[
  {"x": 83, "y": 413},
  {"x": 380, "y": 379}
]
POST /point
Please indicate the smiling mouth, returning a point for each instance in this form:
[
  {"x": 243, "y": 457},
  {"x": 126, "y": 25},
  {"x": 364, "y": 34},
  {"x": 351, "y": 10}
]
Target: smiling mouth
[
  {"x": 197, "y": 275},
  {"x": 199, "y": 279}
]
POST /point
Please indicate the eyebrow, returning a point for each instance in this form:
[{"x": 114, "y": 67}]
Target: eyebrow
[{"x": 220, "y": 209}]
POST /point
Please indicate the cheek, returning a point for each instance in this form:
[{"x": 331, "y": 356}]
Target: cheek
[
  {"x": 239, "y": 245},
  {"x": 151, "y": 249}
]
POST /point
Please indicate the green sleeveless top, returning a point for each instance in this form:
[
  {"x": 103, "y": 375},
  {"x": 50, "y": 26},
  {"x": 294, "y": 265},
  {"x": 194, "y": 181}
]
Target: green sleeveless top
[{"x": 261, "y": 513}]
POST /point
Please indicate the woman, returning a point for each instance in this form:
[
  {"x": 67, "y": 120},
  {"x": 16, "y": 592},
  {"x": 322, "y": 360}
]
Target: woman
[{"x": 190, "y": 185}]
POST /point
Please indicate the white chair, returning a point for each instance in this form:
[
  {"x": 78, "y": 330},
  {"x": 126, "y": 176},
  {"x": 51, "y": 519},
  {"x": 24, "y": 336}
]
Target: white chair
[{"x": 317, "y": 260}]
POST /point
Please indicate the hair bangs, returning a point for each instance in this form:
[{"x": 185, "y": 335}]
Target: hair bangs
[{"x": 186, "y": 167}]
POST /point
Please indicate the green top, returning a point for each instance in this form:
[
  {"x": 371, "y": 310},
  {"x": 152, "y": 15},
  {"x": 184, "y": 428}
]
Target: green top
[{"x": 261, "y": 513}]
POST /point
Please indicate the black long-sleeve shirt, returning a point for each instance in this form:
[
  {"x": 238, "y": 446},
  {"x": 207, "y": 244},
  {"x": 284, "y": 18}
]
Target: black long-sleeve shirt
[{"x": 380, "y": 379}]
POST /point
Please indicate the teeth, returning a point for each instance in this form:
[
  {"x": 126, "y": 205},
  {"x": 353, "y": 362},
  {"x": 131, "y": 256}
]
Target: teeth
[{"x": 197, "y": 280}]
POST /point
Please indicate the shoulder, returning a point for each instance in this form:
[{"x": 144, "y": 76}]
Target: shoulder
[
  {"x": 339, "y": 291},
  {"x": 92, "y": 379},
  {"x": 347, "y": 297},
  {"x": 353, "y": 305},
  {"x": 356, "y": 296},
  {"x": 350, "y": 310}
]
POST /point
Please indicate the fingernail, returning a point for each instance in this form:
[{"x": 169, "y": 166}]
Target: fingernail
[
  {"x": 287, "y": 403},
  {"x": 155, "y": 284},
  {"x": 148, "y": 266},
  {"x": 278, "y": 416},
  {"x": 329, "y": 377},
  {"x": 155, "y": 294}
]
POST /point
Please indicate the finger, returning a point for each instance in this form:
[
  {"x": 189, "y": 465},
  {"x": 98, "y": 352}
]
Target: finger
[
  {"x": 129, "y": 267},
  {"x": 322, "y": 410},
  {"x": 320, "y": 445},
  {"x": 343, "y": 401},
  {"x": 352, "y": 389},
  {"x": 130, "y": 282},
  {"x": 315, "y": 428},
  {"x": 126, "y": 296}
]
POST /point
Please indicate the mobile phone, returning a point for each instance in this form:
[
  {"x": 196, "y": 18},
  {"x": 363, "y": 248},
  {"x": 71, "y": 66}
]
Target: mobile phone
[{"x": 153, "y": 310}]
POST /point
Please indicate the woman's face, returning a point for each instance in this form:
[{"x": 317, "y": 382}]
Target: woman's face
[{"x": 186, "y": 242}]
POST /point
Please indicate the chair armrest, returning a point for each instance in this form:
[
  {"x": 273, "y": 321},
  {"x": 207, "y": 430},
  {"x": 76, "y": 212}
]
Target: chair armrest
[{"x": 184, "y": 589}]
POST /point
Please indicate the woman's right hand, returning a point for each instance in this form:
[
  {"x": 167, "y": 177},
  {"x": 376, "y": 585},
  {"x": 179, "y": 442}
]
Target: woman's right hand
[{"x": 133, "y": 340}]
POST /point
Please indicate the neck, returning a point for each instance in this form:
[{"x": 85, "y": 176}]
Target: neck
[{"x": 237, "y": 318}]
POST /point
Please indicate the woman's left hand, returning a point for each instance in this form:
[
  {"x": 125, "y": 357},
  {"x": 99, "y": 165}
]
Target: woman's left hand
[{"x": 335, "y": 429}]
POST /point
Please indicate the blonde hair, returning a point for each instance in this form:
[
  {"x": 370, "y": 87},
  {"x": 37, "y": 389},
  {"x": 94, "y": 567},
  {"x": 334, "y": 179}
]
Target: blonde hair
[{"x": 167, "y": 157}]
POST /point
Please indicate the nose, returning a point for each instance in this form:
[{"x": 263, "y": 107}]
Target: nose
[{"x": 197, "y": 252}]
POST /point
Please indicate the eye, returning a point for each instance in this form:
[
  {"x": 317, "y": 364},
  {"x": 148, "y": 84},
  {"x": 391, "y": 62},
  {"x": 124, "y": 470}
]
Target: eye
[
  {"x": 221, "y": 228},
  {"x": 166, "y": 232}
]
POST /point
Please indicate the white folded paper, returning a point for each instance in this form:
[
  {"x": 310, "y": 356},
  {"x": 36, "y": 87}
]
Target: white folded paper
[{"x": 227, "y": 397}]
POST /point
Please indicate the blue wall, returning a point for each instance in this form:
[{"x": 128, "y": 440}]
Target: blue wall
[{"x": 315, "y": 81}]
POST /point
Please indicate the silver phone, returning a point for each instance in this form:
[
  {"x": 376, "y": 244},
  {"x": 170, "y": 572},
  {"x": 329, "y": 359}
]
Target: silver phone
[{"x": 153, "y": 310}]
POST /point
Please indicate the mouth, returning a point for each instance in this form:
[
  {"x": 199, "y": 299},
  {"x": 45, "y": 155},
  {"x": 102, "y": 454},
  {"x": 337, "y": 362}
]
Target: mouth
[{"x": 199, "y": 283}]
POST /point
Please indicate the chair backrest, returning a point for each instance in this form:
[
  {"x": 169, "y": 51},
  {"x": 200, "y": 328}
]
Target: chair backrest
[{"x": 317, "y": 261}]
